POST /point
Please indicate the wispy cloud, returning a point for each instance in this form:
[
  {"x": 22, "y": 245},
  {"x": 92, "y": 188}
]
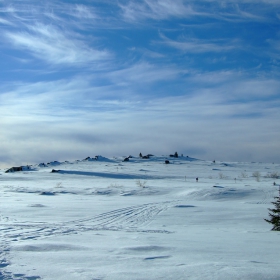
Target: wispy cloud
[
  {"x": 199, "y": 46},
  {"x": 56, "y": 47},
  {"x": 225, "y": 10},
  {"x": 143, "y": 73},
  {"x": 82, "y": 11},
  {"x": 112, "y": 130},
  {"x": 237, "y": 86},
  {"x": 155, "y": 9},
  {"x": 4, "y": 21}
]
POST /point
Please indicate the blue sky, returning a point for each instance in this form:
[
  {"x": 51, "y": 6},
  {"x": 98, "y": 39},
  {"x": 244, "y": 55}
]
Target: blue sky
[{"x": 81, "y": 78}]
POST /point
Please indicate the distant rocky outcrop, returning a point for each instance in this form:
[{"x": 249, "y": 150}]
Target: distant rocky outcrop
[
  {"x": 14, "y": 169},
  {"x": 91, "y": 159},
  {"x": 175, "y": 155},
  {"x": 55, "y": 171},
  {"x": 54, "y": 163},
  {"x": 47, "y": 193},
  {"x": 19, "y": 168},
  {"x": 146, "y": 157}
]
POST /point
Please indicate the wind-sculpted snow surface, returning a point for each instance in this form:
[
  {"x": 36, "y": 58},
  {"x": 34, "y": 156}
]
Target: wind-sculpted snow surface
[{"x": 105, "y": 218}]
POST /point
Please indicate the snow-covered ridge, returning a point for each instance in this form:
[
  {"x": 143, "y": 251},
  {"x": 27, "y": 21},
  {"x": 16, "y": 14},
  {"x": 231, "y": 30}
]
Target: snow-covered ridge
[{"x": 100, "y": 158}]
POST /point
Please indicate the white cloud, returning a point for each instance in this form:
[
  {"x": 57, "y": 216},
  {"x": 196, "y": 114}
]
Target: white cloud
[
  {"x": 5, "y": 22},
  {"x": 225, "y": 10},
  {"x": 200, "y": 46},
  {"x": 82, "y": 11},
  {"x": 155, "y": 9},
  {"x": 158, "y": 127},
  {"x": 143, "y": 73},
  {"x": 53, "y": 46},
  {"x": 237, "y": 85},
  {"x": 53, "y": 121}
]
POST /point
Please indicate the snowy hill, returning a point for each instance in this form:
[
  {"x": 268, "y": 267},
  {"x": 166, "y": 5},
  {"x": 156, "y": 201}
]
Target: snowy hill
[{"x": 106, "y": 218}]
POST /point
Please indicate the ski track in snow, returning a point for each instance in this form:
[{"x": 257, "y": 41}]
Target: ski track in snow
[{"x": 126, "y": 219}]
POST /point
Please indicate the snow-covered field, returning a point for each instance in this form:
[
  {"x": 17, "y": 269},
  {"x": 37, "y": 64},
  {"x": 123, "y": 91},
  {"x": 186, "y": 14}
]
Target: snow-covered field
[{"x": 141, "y": 219}]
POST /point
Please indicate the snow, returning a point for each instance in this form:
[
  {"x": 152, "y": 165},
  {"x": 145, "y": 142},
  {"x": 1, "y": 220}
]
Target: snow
[{"x": 140, "y": 219}]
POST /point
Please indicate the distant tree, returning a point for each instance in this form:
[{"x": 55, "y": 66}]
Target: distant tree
[
  {"x": 274, "y": 215},
  {"x": 176, "y": 154},
  {"x": 140, "y": 155}
]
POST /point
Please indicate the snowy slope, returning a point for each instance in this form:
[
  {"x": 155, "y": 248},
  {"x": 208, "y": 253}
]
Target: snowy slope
[{"x": 141, "y": 219}]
